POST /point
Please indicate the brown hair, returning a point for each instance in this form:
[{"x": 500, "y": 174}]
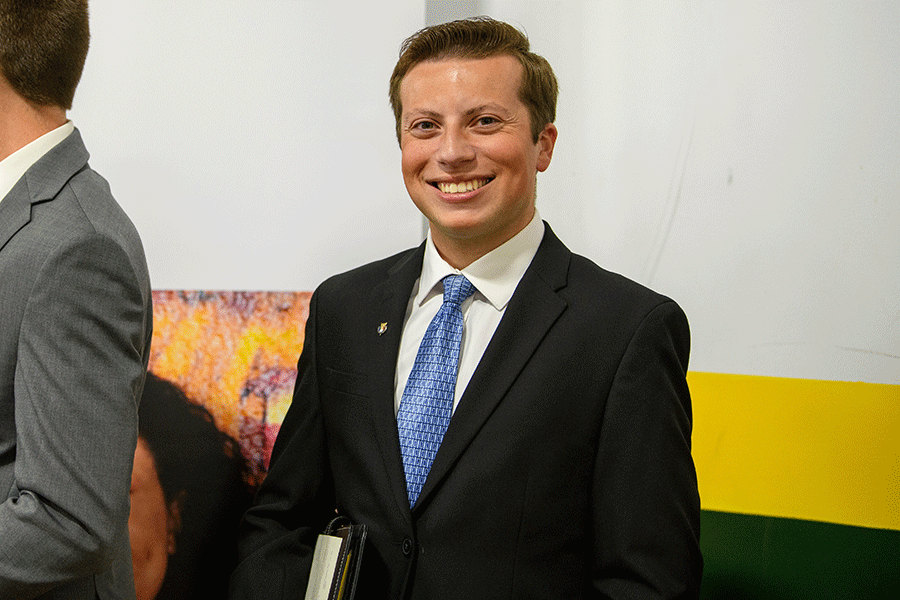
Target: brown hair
[
  {"x": 481, "y": 37},
  {"x": 43, "y": 45}
]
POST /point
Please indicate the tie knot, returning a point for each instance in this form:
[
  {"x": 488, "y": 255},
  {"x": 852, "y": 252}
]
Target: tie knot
[{"x": 457, "y": 288}]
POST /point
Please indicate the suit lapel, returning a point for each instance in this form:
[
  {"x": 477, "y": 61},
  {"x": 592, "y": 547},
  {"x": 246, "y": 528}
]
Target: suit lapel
[
  {"x": 391, "y": 298},
  {"x": 532, "y": 311},
  {"x": 15, "y": 212},
  {"x": 42, "y": 181}
]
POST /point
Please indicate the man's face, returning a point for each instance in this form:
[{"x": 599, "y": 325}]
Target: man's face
[{"x": 469, "y": 162}]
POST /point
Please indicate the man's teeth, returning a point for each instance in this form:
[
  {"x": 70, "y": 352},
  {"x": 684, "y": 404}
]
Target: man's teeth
[{"x": 465, "y": 186}]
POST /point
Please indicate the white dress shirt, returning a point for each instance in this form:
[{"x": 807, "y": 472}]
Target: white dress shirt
[
  {"x": 14, "y": 166},
  {"x": 495, "y": 277}
]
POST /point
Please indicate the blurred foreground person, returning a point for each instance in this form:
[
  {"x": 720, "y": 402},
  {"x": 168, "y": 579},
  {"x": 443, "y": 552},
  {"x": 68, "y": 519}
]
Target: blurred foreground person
[{"x": 75, "y": 326}]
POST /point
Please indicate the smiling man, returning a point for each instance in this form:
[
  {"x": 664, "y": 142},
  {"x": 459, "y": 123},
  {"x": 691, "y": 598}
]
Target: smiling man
[
  {"x": 469, "y": 161},
  {"x": 506, "y": 418}
]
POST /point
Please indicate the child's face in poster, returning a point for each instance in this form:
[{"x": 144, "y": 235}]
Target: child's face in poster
[{"x": 152, "y": 525}]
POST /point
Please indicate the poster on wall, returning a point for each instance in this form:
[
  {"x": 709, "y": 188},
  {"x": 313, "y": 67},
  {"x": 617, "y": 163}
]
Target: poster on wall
[{"x": 221, "y": 377}]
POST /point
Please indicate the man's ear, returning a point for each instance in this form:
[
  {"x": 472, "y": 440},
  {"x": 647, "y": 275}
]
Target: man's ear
[{"x": 546, "y": 142}]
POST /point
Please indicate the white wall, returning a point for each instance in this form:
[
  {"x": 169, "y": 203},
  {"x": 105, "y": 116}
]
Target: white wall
[
  {"x": 740, "y": 157},
  {"x": 743, "y": 158},
  {"x": 251, "y": 141}
]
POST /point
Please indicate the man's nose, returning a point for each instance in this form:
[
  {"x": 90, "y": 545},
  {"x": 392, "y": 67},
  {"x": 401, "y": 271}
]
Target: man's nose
[{"x": 456, "y": 150}]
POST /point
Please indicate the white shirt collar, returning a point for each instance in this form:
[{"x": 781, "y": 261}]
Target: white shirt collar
[
  {"x": 495, "y": 275},
  {"x": 14, "y": 166}
]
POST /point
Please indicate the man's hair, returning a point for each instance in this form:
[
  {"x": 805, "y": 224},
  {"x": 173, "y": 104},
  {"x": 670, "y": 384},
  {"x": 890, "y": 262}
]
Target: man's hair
[
  {"x": 43, "y": 45},
  {"x": 475, "y": 38}
]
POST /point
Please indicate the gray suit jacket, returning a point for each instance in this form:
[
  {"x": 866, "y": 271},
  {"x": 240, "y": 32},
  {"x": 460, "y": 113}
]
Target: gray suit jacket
[{"x": 75, "y": 325}]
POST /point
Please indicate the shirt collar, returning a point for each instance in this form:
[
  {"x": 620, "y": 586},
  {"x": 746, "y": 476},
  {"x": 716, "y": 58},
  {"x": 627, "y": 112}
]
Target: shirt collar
[
  {"x": 14, "y": 166},
  {"x": 495, "y": 275}
]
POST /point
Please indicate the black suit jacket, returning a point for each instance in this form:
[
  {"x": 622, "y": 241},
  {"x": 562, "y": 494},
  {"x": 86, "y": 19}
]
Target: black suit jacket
[{"x": 565, "y": 472}]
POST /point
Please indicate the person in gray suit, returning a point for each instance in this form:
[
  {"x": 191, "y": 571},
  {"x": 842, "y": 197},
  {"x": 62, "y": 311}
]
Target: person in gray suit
[{"x": 75, "y": 326}]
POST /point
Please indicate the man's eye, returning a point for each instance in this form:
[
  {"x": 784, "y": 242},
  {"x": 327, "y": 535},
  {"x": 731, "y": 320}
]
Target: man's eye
[
  {"x": 486, "y": 121},
  {"x": 423, "y": 125}
]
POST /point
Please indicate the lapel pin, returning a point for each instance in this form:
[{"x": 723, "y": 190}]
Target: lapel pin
[{"x": 382, "y": 328}]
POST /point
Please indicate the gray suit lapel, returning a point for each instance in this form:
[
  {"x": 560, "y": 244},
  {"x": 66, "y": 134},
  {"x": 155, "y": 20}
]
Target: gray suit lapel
[
  {"x": 42, "y": 181},
  {"x": 532, "y": 311},
  {"x": 15, "y": 211},
  {"x": 392, "y": 296}
]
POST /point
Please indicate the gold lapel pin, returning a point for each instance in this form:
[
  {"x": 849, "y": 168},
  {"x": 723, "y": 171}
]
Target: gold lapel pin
[{"x": 382, "y": 328}]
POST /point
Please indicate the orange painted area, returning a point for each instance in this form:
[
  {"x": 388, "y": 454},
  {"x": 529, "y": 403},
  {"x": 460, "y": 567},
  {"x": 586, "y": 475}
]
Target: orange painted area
[{"x": 236, "y": 354}]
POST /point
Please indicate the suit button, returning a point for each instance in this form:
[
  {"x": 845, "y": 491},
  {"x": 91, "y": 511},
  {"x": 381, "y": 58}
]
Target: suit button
[{"x": 407, "y": 546}]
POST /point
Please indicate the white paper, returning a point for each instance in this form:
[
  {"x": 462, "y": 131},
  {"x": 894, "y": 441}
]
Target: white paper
[{"x": 325, "y": 559}]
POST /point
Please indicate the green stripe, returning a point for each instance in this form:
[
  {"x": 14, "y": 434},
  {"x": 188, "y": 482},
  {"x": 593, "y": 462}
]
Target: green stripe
[{"x": 771, "y": 558}]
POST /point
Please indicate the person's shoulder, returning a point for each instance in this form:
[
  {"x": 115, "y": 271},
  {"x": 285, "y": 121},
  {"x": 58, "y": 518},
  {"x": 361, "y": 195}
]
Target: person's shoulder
[
  {"x": 594, "y": 285},
  {"x": 78, "y": 216},
  {"x": 579, "y": 276},
  {"x": 602, "y": 300},
  {"x": 585, "y": 271},
  {"x": 369, "y": 274},
  {"x": 93, "y": 197},
  {"x": 70, "y": 195}
]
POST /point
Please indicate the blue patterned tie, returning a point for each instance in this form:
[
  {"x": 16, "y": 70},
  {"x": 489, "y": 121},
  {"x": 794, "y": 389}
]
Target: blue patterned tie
[{"x": 427, "y": 401}]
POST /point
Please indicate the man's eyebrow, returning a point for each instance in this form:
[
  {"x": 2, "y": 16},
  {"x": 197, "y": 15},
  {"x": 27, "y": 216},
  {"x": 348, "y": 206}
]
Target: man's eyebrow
[
  {"x": 424, "y": 112},
  {"x": 421, "y": 112},
  {"x": 487, "y": 107}
]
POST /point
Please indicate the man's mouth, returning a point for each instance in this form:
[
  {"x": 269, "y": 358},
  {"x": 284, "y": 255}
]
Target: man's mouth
[{"x": 461, "y": 187}]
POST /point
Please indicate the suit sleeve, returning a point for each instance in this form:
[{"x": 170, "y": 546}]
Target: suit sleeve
[
  {"x": 80, "y": 367},
  {"x": 296, "y": 499},
  {"x": 646, "y": 507}
]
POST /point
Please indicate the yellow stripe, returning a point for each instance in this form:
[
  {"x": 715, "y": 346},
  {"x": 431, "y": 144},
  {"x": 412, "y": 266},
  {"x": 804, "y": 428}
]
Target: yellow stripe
[{"x": 798, "y": 448}]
